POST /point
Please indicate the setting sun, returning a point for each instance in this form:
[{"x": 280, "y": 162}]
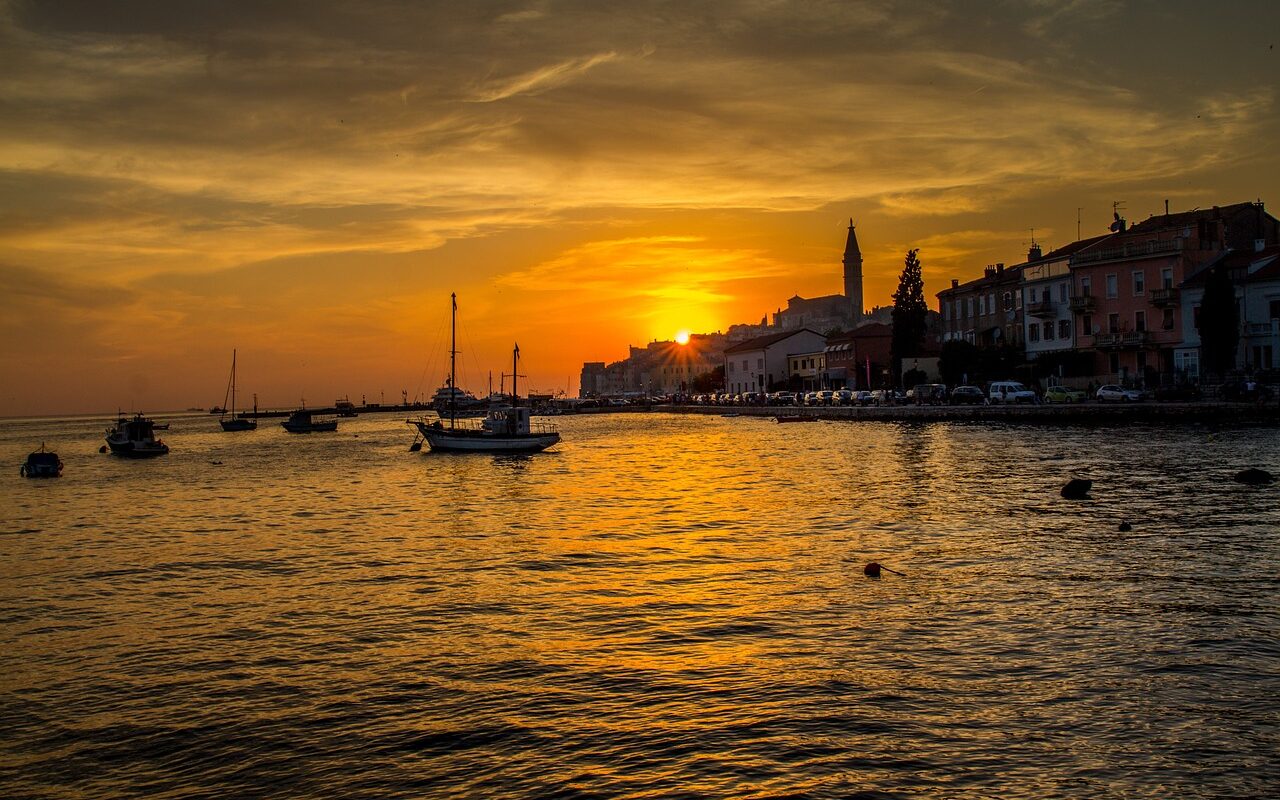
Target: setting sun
[{"x": 682, "y": 337}]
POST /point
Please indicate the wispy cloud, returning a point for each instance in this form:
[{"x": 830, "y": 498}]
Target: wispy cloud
[{"x": 540, "y": 80}]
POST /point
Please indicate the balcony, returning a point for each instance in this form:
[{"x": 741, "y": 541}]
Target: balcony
[
  {"x": 1164, "y": 297},
  {"x": 1128, "y": 251},
  {"x": 1260, "y": 329},
  {"x": 1041, "y": 308},
  {"x": 1082, "y": 303},
  {"x": 1121, "y": 341}
]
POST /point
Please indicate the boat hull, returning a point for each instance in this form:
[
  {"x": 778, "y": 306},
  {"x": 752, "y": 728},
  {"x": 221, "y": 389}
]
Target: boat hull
[
  {"x": 471, "y": 441},
  {"x": 239, "y": 424},
  {"x": 310, "y": 427},
  {"x": 137, "y": 449}
]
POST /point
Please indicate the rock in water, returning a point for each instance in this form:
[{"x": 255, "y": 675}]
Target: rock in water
[
  {"x": 1077, "y": 488},
  {"x": 1254, "y": 477},
  {"x": 872, "y": 570}
]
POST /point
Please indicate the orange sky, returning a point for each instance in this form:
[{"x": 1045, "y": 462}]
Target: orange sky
[{"x": 307, "y": 182}]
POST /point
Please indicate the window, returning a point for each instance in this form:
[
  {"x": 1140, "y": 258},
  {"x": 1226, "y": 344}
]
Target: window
[
  {"x": 1139, "y": 321},
  {"x": 1085, "y": 286},
  {"x": 1048, "y": 331},
  {"x": 759, "y": 363},
  {"x": 1166, "y": 322},
  {"x": 1139, "y": 283},
  {"x": 1033, "y": 333},
  {"x": 1113, "y": 362},
  {"x": 1275, "y": 309},
  {"x": 970, "y": 307},
  {"x": 1166, "y": 278},
  {"x": 1195, "y": 317},
  {"x": 1062, "y": 293},
  {"x": 1008, "y": 301},
  {"x": 1113, "y": 323},
  {"x": 744, "y": 365},
  {"x": 1086, "y": 325},
  {"x": 1187, "y": 362},
  {"x": 1113, "y": 286},
  {"x": 1064, "y": 329},
  {"x": 730, "y": 366}
]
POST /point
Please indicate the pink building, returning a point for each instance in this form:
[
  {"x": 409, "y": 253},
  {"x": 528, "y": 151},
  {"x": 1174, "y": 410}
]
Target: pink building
[{"x": 1125, "y": 293}]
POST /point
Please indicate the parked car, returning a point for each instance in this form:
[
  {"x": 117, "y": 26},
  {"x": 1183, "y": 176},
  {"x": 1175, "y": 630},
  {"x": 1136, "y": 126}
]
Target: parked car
[
  {"x": 1010, "y": 392},
  {"x": 810, "y": 399},
  {"x": 930, "y": 394},
  {"x": 862, "y": 398},
  {"x": 967, "y": 395},
  {"x": 1061, "y": 394},
  {"x": 1111, "y": 393},
  {"x": 842, "y": 397}
]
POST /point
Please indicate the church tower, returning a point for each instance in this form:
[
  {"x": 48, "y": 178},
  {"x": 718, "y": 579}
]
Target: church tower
[{"x": 853, "y": 274}]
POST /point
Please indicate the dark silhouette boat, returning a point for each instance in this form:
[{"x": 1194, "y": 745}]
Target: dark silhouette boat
[
  {"x": 236, "y": 423},
  {"x": 302, "y": 421},
  {"x": 41, "y": 464},
  {"x": 796, "y": 419},
  {"x": 135, "y": 438}
]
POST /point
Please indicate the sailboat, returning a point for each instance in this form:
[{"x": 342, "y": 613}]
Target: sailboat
[
  {"x": 504, "y": 430},
  {"x": 236, "y": 423}
]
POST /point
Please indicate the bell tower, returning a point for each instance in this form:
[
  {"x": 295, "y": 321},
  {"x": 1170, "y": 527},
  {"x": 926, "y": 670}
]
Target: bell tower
[{"x": 853, "y": 274}]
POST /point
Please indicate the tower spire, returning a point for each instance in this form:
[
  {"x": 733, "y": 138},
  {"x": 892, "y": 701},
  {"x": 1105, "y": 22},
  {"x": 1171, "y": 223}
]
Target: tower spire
[{"x": 853, "y": 274}]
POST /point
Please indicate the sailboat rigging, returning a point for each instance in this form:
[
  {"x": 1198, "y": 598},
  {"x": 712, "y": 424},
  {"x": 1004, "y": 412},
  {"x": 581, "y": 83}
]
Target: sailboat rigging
[{"x": 236, "y": 423}]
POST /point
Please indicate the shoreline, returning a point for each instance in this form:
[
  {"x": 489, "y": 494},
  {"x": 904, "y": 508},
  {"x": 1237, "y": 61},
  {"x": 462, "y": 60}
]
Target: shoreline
[{"x": 1080, "y": 413}]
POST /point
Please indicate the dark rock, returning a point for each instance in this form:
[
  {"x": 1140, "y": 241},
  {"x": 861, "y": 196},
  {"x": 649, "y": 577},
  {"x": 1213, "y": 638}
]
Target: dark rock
[
  {"x": 1077, "y": 488},
  {"x": 1254, "y": 477}
]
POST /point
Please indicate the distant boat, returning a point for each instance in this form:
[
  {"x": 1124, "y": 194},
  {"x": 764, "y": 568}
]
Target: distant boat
[
  {"x": 302, "y": 421},
  {"x": 345, "y": 407},
  {"x": 503, "y": 430},
  {"x": 236, "y": 423},
  {"x": 135, "y": 438},
  {"x": 41, "y": 464},
  {"x": 796, "y": 419}
]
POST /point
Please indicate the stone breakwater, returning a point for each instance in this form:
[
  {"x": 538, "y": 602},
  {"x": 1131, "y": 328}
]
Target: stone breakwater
[{"x": 1080, "y": 414}]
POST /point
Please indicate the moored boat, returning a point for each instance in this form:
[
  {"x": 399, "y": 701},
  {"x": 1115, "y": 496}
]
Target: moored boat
[
  {"x": 503, "y": 430},
  {"x": 41, "y": 464},
  {"x": 135, "y": 438},
  {"x": 236, "y": 423},
  {"x": 302, "y": 421},
  {"x": 781, "y": 419}
]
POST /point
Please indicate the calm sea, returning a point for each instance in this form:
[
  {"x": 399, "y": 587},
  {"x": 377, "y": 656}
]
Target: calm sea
[{"x": 663, "y": 606}]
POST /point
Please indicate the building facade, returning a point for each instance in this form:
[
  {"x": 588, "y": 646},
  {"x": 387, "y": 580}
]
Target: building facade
[{"x": 757, "y": 365}]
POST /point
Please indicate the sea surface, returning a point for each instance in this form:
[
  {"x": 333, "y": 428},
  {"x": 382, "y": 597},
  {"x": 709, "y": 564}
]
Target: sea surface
[{"x": 662, "y": 606}]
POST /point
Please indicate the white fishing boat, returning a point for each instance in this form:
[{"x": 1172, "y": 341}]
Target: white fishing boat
[
  {"x": 236, "y": 423},
  {"x": 503, "y": 430},
  {"x": 135, "y": 438}
]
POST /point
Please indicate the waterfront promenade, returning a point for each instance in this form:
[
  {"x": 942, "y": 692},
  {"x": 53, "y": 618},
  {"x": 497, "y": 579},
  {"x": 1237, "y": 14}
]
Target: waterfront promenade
[{"x": 1076, "y": 414}]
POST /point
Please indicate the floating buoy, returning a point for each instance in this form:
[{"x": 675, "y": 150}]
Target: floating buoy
[
  {"x": 1125, "y": 527},
  {"x": 1254, "y": 477},
  {"x": 416, "y": 446},
  {"x": 1077, "y": 489},
  {"x": 102, "y": 449},
  {"x": 872, "y": 570}
]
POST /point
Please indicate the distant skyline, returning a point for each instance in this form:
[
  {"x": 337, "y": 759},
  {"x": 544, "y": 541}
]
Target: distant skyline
[{"x": 307, "y": 182}]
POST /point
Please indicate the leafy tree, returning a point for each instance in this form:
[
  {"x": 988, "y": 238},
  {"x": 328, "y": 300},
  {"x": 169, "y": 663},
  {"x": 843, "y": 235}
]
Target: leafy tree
[
  {"x": 712, "y": 381},
  {"x": 1219, "y": 323},
  {"x": 910, "y": 313},
  {"x": 959, "y": 362}
]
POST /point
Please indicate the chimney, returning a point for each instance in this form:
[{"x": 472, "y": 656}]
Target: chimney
[
  {"x": 1000, "y": 268},
  {"x": 955, "y": 283},
  {"x": 989, "y": 272},
  {"x": 1034, "y": 253}
]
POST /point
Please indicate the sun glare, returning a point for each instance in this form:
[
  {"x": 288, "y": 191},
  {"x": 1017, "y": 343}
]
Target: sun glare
[{"x": 682, "y": 337}]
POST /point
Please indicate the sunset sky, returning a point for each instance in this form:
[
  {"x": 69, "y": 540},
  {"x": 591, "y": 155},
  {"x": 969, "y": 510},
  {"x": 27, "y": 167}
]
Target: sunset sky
[{"x": 308, "y": 181}]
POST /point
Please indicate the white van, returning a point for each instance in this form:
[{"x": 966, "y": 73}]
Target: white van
[{"x": 1009, "y": 392}]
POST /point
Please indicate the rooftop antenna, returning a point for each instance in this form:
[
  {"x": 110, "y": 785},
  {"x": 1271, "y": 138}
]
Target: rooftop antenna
[
  {"x": 1078, "y": 210},
  {"x": 1117, "y": 224}
]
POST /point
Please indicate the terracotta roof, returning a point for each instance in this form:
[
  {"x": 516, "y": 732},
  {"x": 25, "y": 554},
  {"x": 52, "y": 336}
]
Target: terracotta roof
[
  {"x": 1183, "y": 218},
  {"x": 761, "y": 342}
]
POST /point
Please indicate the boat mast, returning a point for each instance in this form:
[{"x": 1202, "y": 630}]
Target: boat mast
[
  {"x": 453, "y": 353},
  {"x": 515, "y": 367},
  {"x": 233, "y": 383}
]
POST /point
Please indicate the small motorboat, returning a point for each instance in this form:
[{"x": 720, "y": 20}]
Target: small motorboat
[
  {"x": 135, "y": 438},
  {"x": 42, "y": 464},
  {"x": 795, "y": 419},
  {"x": 301, "y": 421}
]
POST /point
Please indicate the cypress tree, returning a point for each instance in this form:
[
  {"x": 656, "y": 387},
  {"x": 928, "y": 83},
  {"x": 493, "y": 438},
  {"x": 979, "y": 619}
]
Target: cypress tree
[
  {"x": 910, "y": 313},
  {"x": 1219, "y": 323}
]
